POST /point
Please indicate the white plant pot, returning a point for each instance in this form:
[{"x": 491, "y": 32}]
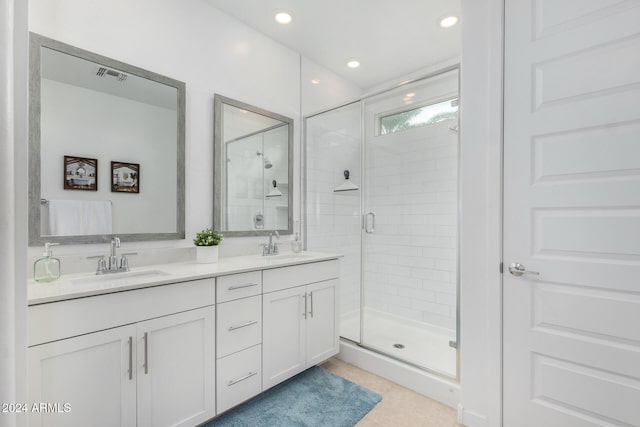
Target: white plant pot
[{"x": 207, "y": 254}]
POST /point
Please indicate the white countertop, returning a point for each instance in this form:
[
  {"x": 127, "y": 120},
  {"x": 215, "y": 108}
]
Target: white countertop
[{"x": 72, "y": 286}]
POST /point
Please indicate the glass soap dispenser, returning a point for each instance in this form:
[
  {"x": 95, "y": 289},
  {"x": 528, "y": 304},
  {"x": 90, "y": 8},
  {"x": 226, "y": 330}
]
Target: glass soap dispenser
[
  {"x": 296, "y": 243},
  {"x": 47, "y": 268}
]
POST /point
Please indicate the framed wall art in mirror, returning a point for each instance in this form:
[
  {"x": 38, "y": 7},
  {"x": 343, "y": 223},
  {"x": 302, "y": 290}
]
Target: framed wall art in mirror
[
  {"x": 80, "y": 173},
  {"x": 107, "y": 112},
  {"x": 126, "y": 177},
  {"x": 253, "y": 176}
]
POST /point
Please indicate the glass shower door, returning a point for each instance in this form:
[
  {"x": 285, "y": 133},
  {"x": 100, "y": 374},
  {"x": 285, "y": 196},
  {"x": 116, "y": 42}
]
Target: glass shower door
[{"x": 409, "y": 238}]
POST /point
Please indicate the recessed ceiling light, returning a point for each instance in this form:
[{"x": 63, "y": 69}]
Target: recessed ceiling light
[
  {"x": 283, "y": 17},
  {"x": 352, "y": 63},
  {"x": 315, "y": 81},
  {"x": 448, "y": 21},
  {"x": 411, "y": 95}
]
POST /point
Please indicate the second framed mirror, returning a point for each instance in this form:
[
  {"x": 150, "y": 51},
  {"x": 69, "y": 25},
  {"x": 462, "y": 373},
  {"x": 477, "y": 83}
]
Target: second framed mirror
[{"x": 253, "y": 169}]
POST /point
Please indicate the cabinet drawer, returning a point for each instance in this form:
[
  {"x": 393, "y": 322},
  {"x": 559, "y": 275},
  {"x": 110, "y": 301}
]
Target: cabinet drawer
[
  {"x": 238, "y": 286},
  {"x": 297, "y": 275},
  {"x": 239, "y": 325},
  {"x": 239, "y": 377}
]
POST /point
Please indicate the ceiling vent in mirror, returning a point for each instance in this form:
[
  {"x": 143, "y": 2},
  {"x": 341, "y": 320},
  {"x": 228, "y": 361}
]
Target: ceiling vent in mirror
[{"x": 108, "y": 72}]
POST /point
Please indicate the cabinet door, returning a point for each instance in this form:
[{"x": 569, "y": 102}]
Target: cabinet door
[
  {"x": 283, "y": 337},
  {"x": 176, "y": 376},
  {"x": 94, "y": 374},
  {"x": 322, "y": 322}
]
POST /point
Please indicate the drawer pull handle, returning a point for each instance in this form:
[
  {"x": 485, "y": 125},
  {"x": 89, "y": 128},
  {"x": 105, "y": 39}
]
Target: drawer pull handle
[
  {"x": 248, "y": 285},
  {"x": 304, "y": 313},
  {"x": 146, "y": 353},
  {"x": 236, "y": 381},
  {"x": 251, "y": 322},
  {"x": 131, "y": 358}
]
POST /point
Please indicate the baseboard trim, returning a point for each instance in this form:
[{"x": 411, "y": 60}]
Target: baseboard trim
[{"x": 469, "y": 418}]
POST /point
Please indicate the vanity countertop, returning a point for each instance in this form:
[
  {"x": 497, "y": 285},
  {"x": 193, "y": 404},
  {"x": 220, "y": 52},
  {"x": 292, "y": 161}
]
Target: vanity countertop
[{"x": 73, "y": 286}]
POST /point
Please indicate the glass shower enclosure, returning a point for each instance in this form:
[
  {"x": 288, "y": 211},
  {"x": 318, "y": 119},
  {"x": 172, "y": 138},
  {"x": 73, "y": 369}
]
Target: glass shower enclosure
[{"x": 395, "y": 219}]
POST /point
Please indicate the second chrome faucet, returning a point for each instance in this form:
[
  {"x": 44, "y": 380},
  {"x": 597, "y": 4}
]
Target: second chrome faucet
[{"x": 271, "y": 248}]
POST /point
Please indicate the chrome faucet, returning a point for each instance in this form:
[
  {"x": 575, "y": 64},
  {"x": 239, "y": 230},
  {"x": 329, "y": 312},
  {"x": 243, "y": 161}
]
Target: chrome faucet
[
  {"x": 113, "y": 259},
  {"x": 271, "y": 248},
  {"x": 114, "y": 265}
]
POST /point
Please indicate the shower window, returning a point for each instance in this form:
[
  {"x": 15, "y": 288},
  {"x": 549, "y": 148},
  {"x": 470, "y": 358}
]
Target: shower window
[{"x": 420, "y": 116}]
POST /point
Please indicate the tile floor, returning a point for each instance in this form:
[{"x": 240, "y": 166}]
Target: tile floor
[{"x": 400, "y": 407}]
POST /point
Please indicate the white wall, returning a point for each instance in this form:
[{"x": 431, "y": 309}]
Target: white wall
[
  {"x": 81, "y": 122},
  {"x": 323, "y": 89},
  {"x": 199, "y": 45}
]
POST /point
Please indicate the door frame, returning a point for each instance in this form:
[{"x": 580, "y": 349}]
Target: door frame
[{"x": 481, "y": 151}]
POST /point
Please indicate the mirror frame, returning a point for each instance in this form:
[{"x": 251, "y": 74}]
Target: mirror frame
[
  {"x": 36, "y": 42},
  {"x": 218, "y": 100}
]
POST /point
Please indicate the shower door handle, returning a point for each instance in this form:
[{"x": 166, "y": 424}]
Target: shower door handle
[{"x": 370, "y": 226}]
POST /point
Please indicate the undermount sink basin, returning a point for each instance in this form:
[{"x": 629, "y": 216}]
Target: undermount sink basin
[{"x": 119, "y": 278}]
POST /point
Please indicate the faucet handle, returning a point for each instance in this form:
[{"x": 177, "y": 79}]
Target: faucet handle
[
  {"x": 265, "y": 248},
  {"x": 102, "y": 263},
  {"x": 275, "y": 250},
  {"x": 124, "y": 263}
]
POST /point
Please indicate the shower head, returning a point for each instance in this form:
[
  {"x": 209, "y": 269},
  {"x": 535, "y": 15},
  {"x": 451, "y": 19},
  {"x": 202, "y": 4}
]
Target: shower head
[{"x": 267, "y": 163}]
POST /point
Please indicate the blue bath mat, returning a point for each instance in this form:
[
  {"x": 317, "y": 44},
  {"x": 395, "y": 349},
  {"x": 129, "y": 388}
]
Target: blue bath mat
[{"x": 313, "y": 398}]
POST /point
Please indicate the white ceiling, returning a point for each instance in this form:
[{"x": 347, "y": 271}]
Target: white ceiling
[{"x": 390, "y": 38}]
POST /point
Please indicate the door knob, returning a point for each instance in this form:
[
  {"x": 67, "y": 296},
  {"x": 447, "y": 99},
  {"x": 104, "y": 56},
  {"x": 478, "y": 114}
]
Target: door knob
[{"x": 517, "y": 269}]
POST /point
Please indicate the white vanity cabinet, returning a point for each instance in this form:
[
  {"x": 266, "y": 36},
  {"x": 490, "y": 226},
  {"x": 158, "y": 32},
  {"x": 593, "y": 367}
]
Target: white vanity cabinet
[
  {"x": 300, "y": 327},
  {"x": 157, "y": 369},
  {"x": 181, "y": 353}
]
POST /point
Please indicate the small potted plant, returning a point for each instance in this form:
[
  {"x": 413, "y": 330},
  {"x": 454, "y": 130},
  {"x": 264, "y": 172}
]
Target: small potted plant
[{"x": 207, "y": 242}]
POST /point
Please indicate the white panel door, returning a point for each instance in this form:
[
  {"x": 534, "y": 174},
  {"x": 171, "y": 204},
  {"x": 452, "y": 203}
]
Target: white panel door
[
  {"x": 322, "y": 321},
  {"x": 572, "y": 213},
  {"x": 176, "y": 369},
  {"x": 94, "y": 374}
]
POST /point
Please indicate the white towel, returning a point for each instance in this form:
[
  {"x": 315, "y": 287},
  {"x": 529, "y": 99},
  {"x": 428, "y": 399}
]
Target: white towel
[{"x": 80, "y": 217}]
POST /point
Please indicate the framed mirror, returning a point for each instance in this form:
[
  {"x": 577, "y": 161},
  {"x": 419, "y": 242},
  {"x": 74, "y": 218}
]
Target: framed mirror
[
  {"x": 253, "y": 176},
  {"x": 106, "y": 148}
]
